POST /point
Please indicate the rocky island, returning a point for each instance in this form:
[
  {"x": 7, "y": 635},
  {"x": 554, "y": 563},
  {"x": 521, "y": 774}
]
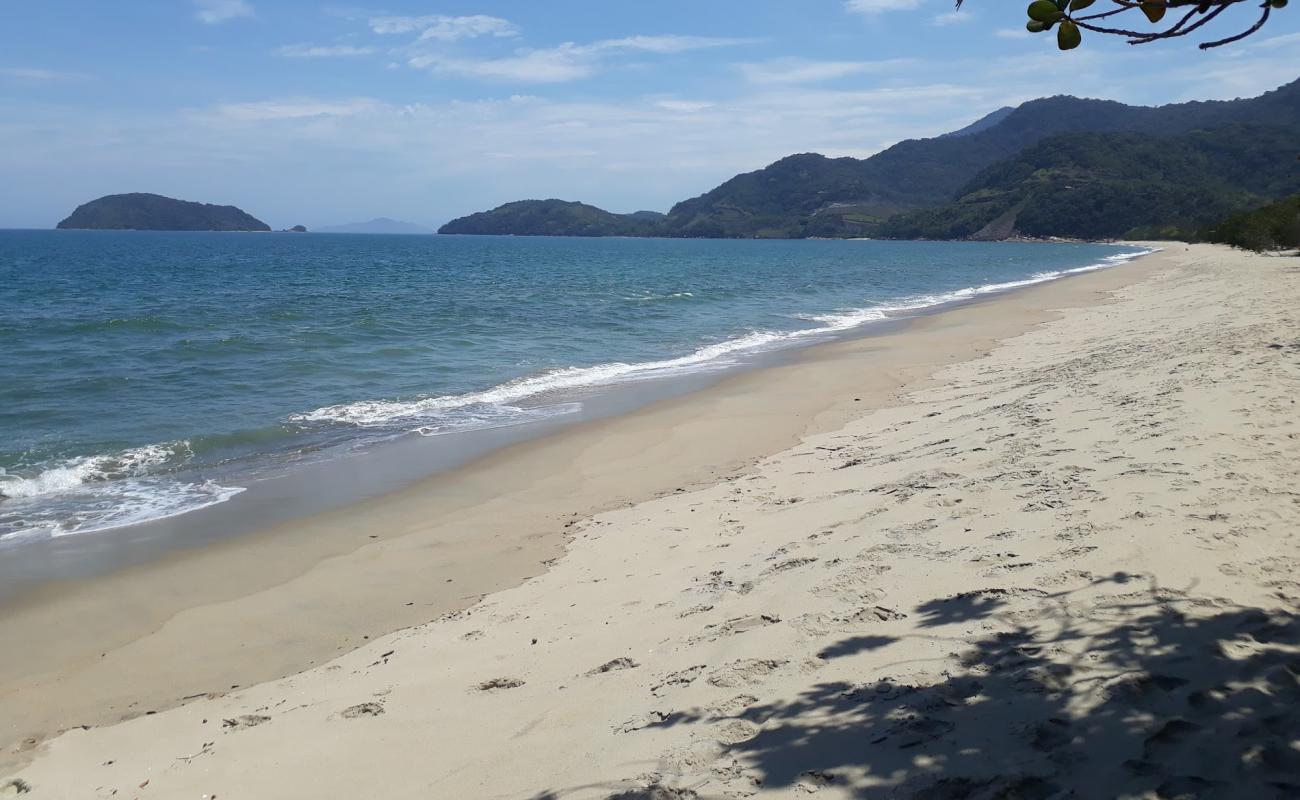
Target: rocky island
[{"x": 153, "y": 212}]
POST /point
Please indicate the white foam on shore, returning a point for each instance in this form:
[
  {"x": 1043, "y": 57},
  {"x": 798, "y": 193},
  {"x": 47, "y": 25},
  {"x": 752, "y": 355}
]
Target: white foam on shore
[
  {"x": 96, "y": 493},
  {"x": 495, "y": 404}
]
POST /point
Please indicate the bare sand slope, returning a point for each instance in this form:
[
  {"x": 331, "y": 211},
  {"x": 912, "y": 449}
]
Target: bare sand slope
[{"x": 1067, "y": 569}]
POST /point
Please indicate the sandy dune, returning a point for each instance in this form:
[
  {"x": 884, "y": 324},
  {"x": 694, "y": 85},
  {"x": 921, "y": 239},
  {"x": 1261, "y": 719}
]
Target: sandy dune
[{"x": 1068, "y": 568}]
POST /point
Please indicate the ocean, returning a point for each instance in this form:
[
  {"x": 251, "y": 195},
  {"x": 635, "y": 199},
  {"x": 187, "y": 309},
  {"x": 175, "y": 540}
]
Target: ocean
[{"x": 146, "y": 375}]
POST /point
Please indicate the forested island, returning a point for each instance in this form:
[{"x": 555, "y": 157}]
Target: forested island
[{"x": 153, "y": 212}]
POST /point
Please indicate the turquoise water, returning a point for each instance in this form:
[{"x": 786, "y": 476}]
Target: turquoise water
[{"x": 144, "y": 375}]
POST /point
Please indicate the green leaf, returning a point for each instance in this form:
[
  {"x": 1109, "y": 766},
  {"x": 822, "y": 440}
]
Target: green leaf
[
  {"x": 1155, "y": 11},
  {"x": 1044, "y": 11},
  {"x": 1068, "y": 36},
  {"x": 1034, "y": 26},
  {"x": 1079, "y": 5}
]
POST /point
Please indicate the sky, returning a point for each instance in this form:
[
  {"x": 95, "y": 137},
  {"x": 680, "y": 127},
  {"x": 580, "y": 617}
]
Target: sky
[{"x": 317, "y": 113}]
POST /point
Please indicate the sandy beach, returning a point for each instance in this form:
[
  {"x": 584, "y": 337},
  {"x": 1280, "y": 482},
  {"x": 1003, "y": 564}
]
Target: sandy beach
[{"x": 1038, "y": 546}]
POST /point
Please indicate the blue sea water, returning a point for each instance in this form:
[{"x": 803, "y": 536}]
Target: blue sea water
[{"x": 144, "y": 375}]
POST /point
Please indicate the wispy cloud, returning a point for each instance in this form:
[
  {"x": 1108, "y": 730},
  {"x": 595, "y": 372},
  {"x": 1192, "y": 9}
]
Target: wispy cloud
[
  {"x": 211, "y": 12},
  {"x": 684, "y": 106},
  {"x": 786, "y": 71},
  {"x": 322, "y": 51},
  {"x": 40, "y": 75},
  {"x": 291, "y": 109},
  {"x": 443, "y": 28},
  {"x": 1285, "y": 40},
  {"x": 872, "y": 7},
  {"x": 555, "y": 65},
  {"x": 565, "y": 62},
  {"x": 952, "y": 18}
]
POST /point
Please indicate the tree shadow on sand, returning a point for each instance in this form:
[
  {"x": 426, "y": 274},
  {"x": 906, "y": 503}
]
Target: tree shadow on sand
[{"x": 1148, "y": 693}]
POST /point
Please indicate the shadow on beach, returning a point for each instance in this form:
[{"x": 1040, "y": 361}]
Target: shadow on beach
[{"x": 1150, "y": 694}]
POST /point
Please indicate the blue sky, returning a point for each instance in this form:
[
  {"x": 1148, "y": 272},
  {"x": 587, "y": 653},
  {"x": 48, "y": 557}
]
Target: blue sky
[{"x": 319, "y": 113}]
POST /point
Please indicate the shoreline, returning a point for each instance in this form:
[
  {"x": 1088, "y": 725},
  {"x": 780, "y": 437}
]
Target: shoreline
[
  {"x": 357, "y": 469},
  {"x": 171, "y": 625}
]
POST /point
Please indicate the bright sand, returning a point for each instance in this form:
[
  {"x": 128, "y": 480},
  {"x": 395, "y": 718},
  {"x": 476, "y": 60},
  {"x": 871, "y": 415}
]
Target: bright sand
[{"x": 1040, "y": 543}]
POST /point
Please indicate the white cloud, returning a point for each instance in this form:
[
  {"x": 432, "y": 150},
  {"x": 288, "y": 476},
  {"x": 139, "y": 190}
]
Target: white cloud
[
  {"x": 563, "y": 63},
  {"x": 439, "y": 27},
  {"x": 211, "y": 12},
  {"x": 322, "y": 51},
  {"x": 798, "y": 70},
  {"x": 871, "y": 7},
  {"x": 1012, "y": 33}
]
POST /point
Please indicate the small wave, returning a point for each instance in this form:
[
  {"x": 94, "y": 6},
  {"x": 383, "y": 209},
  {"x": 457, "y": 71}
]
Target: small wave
[
  {"x": 494, "y": 406},
  {"x": 651, "y": 297},
  {"x": 95, "y": 493},
  {"x": 73, "y": 474},
  {"x": 495, "y": 417}
]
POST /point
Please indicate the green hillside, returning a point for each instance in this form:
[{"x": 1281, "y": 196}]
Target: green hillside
[
  {"x": 1273, "y": 227},
  {"x": 811, "y": 195},
  {"x": 1110, "y": 185}
]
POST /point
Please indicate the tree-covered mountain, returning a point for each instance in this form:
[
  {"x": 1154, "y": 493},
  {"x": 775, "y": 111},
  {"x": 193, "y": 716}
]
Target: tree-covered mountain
[
  {"x": 811, "y": 195},
  {"x": 1111, "y": 185},
  {"x": 152, "y": 212},
  {"x": 554, "y": 218}
]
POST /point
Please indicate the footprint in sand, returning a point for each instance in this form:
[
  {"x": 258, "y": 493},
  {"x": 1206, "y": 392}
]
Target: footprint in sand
[
  {"x": 684, "y": 677},
  {"x": 613, "y": 666},
  {"x": 362, "y": 710},
  {"x": 745, "y": 672},
  {"x": 246, "y": 721},
  {"x": 498, "y": 684}
]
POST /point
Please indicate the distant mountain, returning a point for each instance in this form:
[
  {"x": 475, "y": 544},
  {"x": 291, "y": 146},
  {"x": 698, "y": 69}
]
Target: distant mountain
[
  {"x": 554, "y": 218},
  {"x": 1112, "y": 185},
  {"x": 376, "y": 225},
  {"x": 809, "y": 195},
  {"x": 152, "y": 212}
]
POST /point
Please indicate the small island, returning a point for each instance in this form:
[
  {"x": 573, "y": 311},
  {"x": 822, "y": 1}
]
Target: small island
[
  {"x": 152, "y": 212},
  {"x": 554, "y": 218}
]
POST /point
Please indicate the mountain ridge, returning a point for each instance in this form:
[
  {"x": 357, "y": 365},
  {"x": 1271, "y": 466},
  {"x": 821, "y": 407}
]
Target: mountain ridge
[{"x": 810, "y": 195}]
